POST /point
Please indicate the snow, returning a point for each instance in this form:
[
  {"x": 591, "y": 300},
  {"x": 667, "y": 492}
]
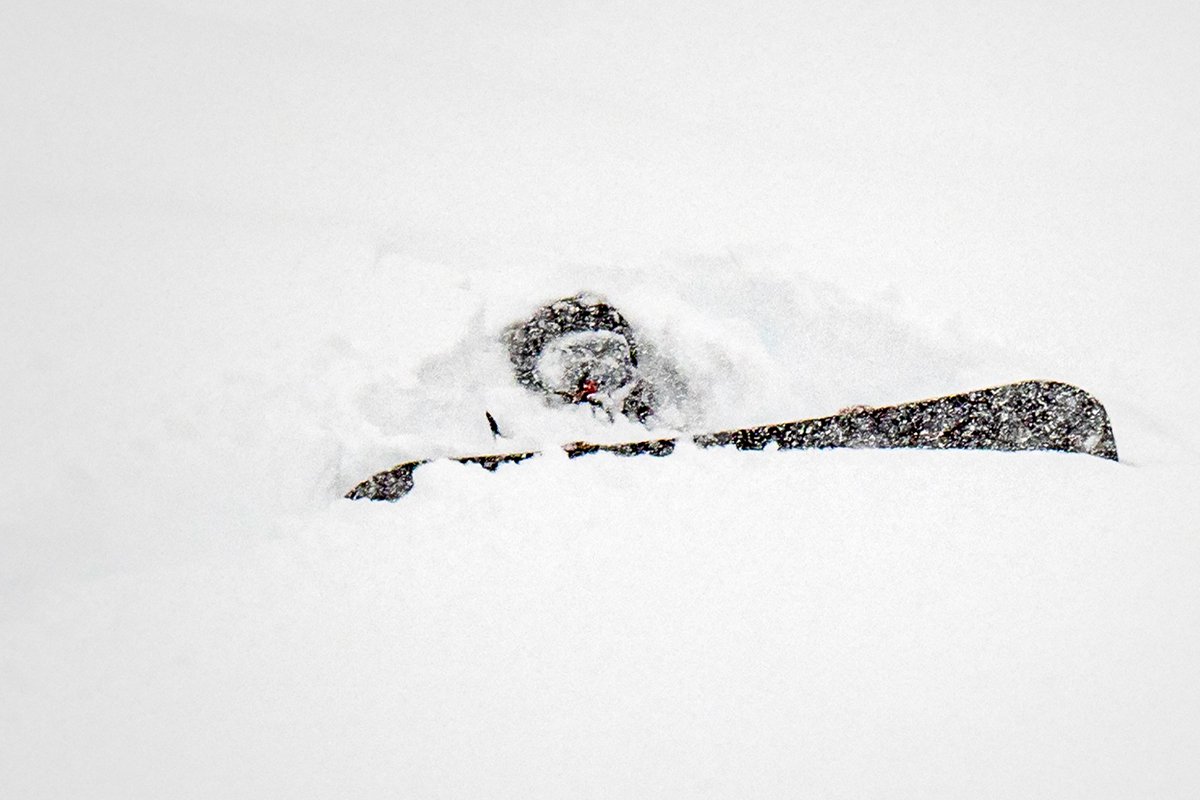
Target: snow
[{"x": 255, "y": 253}]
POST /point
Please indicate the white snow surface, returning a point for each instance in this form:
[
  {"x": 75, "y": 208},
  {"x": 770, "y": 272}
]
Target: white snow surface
[{"x": 256, "y": 252}]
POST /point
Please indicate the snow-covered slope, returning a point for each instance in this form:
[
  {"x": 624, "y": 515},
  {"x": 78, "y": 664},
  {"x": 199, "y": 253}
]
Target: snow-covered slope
[
  {"x": 191, "y": 610},
  {"x": 253, "y": 254}
]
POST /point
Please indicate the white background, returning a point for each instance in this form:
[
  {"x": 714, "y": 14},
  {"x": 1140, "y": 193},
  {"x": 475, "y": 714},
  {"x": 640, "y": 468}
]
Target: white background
[{"x": 234, "y": 232}]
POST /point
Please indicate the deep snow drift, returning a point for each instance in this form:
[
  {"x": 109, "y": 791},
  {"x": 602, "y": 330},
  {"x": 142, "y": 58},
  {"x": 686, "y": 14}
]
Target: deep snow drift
[
  {"x": 714, "y": 622},
  {"x": 254, "y": 252}
]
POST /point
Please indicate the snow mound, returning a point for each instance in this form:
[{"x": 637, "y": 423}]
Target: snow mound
[{"x": 715, "y": 622}]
